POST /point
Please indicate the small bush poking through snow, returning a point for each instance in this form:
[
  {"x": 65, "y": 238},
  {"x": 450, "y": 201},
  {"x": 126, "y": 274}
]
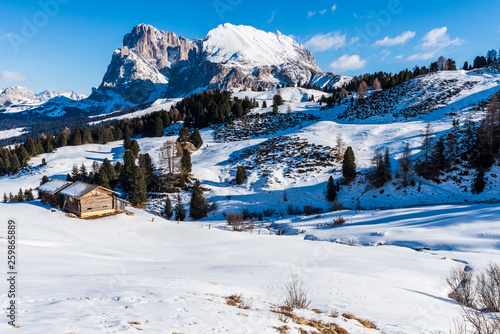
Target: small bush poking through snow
[
  {"x": 236, "y": 221},
  {"x": 296, "y": 293}
]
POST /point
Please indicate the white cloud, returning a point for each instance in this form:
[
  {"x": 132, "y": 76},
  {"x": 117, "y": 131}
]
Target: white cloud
[
  {"x": 322, "y": 11},
  {"x": 399, "y": 56},
  {"x": 438, "y": 38},
  {"x": 354, "y": 40},
  {"x": 272, "y": 17},
  {"x": 8, "y": 76},
  {"x": 310, "y": 14},
  {"x": 321, "y": 42},
  {"x": 334, "y": 8},
  {"x": 433, "y": 43},
  {"x": 422, "y": 56},
  {"x": 391, "y": 41},
  {"x": 347, "y": 63}
]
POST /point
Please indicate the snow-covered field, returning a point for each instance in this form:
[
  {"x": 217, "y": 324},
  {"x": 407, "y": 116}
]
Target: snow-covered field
[{"x": 98, "y": 276}]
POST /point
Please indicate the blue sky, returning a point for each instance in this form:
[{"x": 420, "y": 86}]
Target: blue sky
[{"x": 67, "y": 44}]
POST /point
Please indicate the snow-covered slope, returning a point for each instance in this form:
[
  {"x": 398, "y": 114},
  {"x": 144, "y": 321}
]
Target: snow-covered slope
[
  {"x": 129, "y": 273},
  {"x": 446, "y": 92}
]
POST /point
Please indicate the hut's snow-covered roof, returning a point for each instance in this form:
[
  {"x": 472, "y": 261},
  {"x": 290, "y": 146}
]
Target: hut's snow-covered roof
[
  {"x": 53, "y": 186},
  {"x": 79, "y": 189}
]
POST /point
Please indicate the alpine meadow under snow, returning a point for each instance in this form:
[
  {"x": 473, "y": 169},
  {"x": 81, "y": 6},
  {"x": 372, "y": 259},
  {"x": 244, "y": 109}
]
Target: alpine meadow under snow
[{"x": 322, "y": 209}]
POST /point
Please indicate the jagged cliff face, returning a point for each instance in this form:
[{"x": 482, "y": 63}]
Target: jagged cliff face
[{"x": 154, "y": 64}]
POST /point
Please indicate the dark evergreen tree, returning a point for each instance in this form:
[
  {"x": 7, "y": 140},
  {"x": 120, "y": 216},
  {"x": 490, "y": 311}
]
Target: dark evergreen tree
[
  {"x": 277, "y": 100},
  {"x": 29, "y": 145},
  {"x": 137, "y": 192},
  {"x": 69, "y": 178},
  {"x": 198, "y": 207},
  {"x": 275, "y": 109},
  {"x": 108, "y": 169},
  {"x": 241, "y": 174},
  {"x": 14, "y": 163},
  {"x": 405, "y": 165},
  {"x": 466, "y": 66},
  {"x": 479, "y": 183},
  {"x": 5, "y": 198},
  {"x": 264, "y": 104},
  {"x": 28, "y": 195},
  {"x": 348, "y": 164},
  {"x": 167, "y": 209},
  {"x": 83, "y": 173},
  {"x": 45, "y": 179},
  {"x": 424, "y": 166},
  {"x": 186, "y": 162},
  {"x": 75, "y": 173},
  {"x": 20, "y": 196},
  {"x": 127, "y": 141},
  {"x": 184, "y": 135},
  {"x": 134, "y": 147},
  {"x": 179, "y": 211},
  {"x": 196, "y": 139},
  {"x": 479, "y": 62},
  {"x": 87, "y": 136},
  {"x": 331, "y": 190}
]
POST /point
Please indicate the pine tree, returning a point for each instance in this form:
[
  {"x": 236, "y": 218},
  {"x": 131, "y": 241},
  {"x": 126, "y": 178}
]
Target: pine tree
[
  {"x": 277, "y": 100},
  {"x": 83, "y": 173},
  {"x": 108, "y": 169},
  {"x": 196, "y": 139},
  {"x": 128, "y": 171},
  {"x": 45, "y": 179},
  {"x": 184, "y": 135},
  {"x": 183, "y": 181},
  {"x": 198, "y": 207},
  {"x": 69, "y": 178},
  {"x": 134, "y": 147},
  {"x": 331, "y": 190},
  {"x": 87, "y": 136},
  {"x": 5, "y": 198},
  {"x": 387, "y": 163},
  {"x": 264, "y": 104},
  {"x": 137, "y": 193},
  {"x": 179, "y": 211},
  {"x": 127, "y": 141},
  {"x": 11, "y": 197},
  {"x": 20, "y": 195},
  {"x": 75, "y": 173},
  {"x": 29, "y": 145},
  {"x": 14, "y": 163},
  {"x": 167, "y": 209},
  {"x": 62, "y": 140},
  {"x": 186, "y": 161},
  {"x": 348, "y": 164},
  {"x": 275, "y": 109},
  {"x": 479, "y": 183},
  {"x": 102, "y": 179},
  {"x": 241, "y": 175},
  {"x": 28, "y": 195}
]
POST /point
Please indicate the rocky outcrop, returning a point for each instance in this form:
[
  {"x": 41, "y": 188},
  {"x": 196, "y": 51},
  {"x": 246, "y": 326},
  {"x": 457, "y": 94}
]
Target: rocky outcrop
[{"x": 154, "y": 64}]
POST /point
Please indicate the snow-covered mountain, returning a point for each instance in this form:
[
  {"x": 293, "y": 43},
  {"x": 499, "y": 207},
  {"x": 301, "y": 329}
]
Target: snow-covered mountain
[
  {"x": 22, "y": 96},
  {"x": 154, "y": 63}
]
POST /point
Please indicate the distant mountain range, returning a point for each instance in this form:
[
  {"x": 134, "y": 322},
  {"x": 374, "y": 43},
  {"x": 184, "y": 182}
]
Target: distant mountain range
[{"x": 155, "y": 64}]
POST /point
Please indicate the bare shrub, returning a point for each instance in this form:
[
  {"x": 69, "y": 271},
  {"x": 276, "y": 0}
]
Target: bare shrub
[
  {"x": 337, "y": 221},
  {"x": 236, "y": 221},
  {"x": 268, "y": 212},
  {"x": 296, "y": 293},
  {"x": 335, "y": 206},
  {"x": 293, "y": 210},
  {"x": 479, "y": 297},
  {"x": 311, "y": 210},
  {"x": 460, "y": 282}
]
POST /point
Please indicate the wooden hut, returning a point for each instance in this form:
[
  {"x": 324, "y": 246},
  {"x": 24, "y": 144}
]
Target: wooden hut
[
  {"x": 49, "y": 192},
  {"x": 87, "y": 200}
]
